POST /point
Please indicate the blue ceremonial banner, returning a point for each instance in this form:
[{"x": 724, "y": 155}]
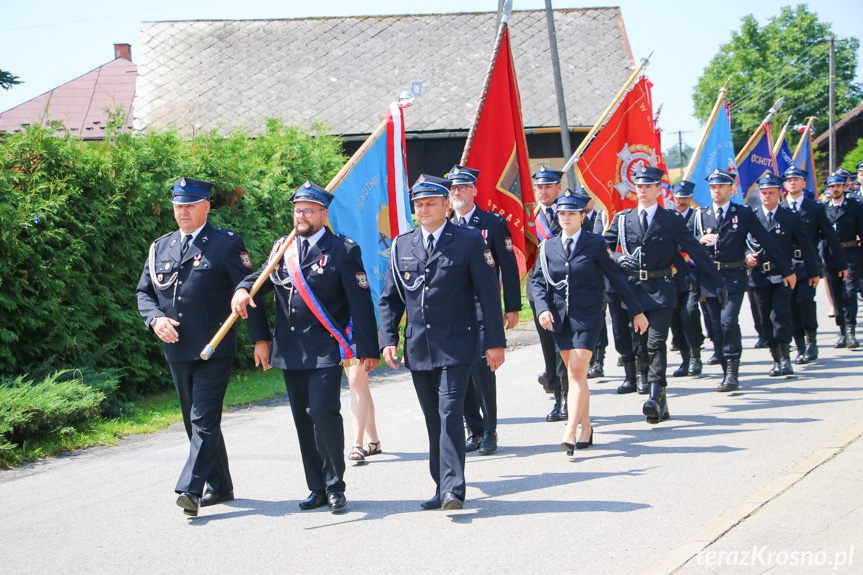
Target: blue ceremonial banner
[
  {"x": 370, "y": 203},
  {"x": 757, "y": 162},
  {"x": 784, "y": 159},
  {"x": 805, "y": 161},
  {"x": 718, "y": 153}
]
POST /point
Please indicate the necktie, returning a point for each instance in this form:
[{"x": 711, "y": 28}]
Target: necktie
[
  {"x": 304, "y": 250},
  {"x": 769, "y": 218},
  {"x": 718, "y": 217},
  {"x": 794, "y": 207},
  {"x": 643, "y": 222},
  {"x": 461, "y": 220},
  {"x": 550, "y": 214},
  {"x": 187, "y": 239},
  {"x": 430, "y": 247},
  {"x": 567, "y": 247}
]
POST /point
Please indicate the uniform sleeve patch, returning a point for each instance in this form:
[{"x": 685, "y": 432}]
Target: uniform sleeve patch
[
  {"x": 508, "y": 243},
  {"x": 246, "y": 260},
  {"x": 489, "y": 259},
  {"x": 362, "y": 280}
]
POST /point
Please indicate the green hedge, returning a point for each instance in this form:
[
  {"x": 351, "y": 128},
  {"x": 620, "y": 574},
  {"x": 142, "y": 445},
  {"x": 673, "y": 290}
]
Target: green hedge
[
  {"x": 34, "y": 409},
  {"x": 76, "y": 220}
]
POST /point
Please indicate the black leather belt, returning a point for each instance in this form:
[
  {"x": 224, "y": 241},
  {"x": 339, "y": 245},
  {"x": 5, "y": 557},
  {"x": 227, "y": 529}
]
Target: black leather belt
[
  {"x": 646, "y": 275},
  {"x": 729, "y": 265},
  {"x": 851, "y": 244}
]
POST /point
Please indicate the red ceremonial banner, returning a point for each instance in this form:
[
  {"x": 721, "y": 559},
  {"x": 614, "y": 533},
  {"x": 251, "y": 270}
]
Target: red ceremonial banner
[
  {"x": 622, "y": 147},
  {"x": 499, "y": 152}
]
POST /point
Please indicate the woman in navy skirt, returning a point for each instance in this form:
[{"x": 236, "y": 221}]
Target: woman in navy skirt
[{"x": 569, "y": 304}]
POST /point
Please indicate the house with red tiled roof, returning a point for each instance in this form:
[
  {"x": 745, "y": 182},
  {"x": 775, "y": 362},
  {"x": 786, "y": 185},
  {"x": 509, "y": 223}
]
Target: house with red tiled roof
[{"x": 82, "y": 104}]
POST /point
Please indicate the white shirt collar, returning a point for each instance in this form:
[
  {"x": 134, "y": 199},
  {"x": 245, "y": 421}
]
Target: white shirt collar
[
  {"x": 194, "y": 234},
  {"x": 768, "y": 212},
  {"x": 315, "y": 238},
  {"x": 684, "y": 214},
  {"x": 466, "y": 217},
  {"x": 437, "y": 233},
  {"x": 724, "y": 207},
  {"x": 564, "y": 237}
]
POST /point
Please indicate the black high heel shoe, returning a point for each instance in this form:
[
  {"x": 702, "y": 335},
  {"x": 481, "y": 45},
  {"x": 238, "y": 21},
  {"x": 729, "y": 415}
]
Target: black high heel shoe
[
  {"x": 568, "y": 447},
  {"x": 585, "y": 444}
]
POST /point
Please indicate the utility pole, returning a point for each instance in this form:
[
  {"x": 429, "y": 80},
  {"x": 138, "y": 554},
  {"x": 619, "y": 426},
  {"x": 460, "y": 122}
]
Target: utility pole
[
  {"x": 558, "y": 90},
  {"x": 832, "y": 152},
  {"x": 679, "y": 148}
]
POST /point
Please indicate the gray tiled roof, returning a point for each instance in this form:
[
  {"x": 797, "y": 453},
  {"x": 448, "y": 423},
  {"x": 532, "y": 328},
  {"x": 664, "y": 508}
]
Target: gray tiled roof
[{"x": 204, "y": 75}]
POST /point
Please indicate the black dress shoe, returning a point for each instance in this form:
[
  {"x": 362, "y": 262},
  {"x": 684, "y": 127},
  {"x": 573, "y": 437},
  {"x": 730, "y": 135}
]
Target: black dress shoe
[
  {"x": 472, "y": 443},
  {"x": 713, "y": 360},
  {"x": 190, "y": 503},
  {"x": 451, "y": 502},
  {"x": 211, "y": 498},
  {"x": 337, "y": 501},
  {"x": 760, "y": 344},
  {"x": 433, "y": 503},
  {"x": 488, "y": 445},
  {"x": 313, "y": 501}
]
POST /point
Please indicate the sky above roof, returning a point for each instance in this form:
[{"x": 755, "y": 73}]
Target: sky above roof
[{"x": 50, "y": 42}]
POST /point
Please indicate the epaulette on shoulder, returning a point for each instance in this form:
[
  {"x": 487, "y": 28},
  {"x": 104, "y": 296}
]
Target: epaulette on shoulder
[
  {"x": 348, "y": 241},
  {"x": 227, "y": 232},
  {"x": 163, "y": 236}
]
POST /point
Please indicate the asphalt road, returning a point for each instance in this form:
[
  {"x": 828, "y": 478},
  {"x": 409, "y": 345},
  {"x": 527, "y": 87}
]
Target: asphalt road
[{"x": 775, "y": 465}]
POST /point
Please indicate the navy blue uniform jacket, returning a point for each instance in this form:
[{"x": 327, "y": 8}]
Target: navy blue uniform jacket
[
  {"x": 200, "y": 298},
  {"x": 300, "y": 341},
  {"x": 442, "y": 328},
  {"x": 791, "y": 237},
  {"x": 847, "y": 220},
  {"x": 666, "y": 236},
  {"x": 731, "y": 245},
  {"x": 589, "y": 260},
  {"x": 820, "y": 229}
]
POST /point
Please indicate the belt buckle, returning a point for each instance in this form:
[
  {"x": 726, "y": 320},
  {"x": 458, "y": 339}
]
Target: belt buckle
[
  {"x": 718, "y": 265},
  {"x": 798, "y": 254},
  {"x": 766, "y": 267},
  {"x": 642, "y": 275}
]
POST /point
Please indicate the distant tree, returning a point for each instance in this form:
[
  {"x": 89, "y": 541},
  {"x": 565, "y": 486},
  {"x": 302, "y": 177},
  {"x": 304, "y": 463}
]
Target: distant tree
[
  {"x": 854, "y": 157},
  {"x": 786, "y": 57},
  {"x": 673, "y": 158},
  {"x": 7, "y": 80}
]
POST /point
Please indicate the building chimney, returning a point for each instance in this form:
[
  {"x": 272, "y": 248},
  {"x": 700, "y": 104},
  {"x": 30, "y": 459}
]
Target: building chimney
[{"x": 123, "y": 51}]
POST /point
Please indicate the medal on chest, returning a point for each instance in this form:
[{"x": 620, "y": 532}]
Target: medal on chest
[
  {"x": 734, "y": 223},
  {"x": 197, "y": 261},
  {"x": 324, "y": 259}
]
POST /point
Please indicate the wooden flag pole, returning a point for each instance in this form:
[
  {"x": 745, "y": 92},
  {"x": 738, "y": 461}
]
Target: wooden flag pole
[
  {"x": 614, "y": 102},
  {"x": 781, "y": 137},
  {"x": 265, "y": 275},
  {"x": 602, "y": 117},
  {"x": 507, "y": 8},
  {"x": 720, "y": 100},
  {"x": 749, "y": 144}
]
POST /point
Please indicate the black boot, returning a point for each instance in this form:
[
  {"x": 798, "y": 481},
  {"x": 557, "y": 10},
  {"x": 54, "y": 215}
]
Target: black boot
[
  {"x": 841, "y": 341},
  {"x": 554, "y": 414},
  {"x": 683, "y": 370},
  {"x": 761, "y": 343},
  {"x": 596, "y": 369},
  {"x": 656, "y": 407},
  {"x": 641, "y": 377},
  {"x": 724, "y": 365},
  {"x": 731, "y": 382},
  {"x": 628, "y": 385},
  {"x": 811, "y": 346},
  {"x": 785, "y": 358},
  {"x": 851, "y": 337},
  {"x": 695, "y": 365},
  {"x": 564, "y": 410},
  {"x": 714, "y": 359},
  {"x": 776, "y": 370},
  {"x": 800, "y": 342}
]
